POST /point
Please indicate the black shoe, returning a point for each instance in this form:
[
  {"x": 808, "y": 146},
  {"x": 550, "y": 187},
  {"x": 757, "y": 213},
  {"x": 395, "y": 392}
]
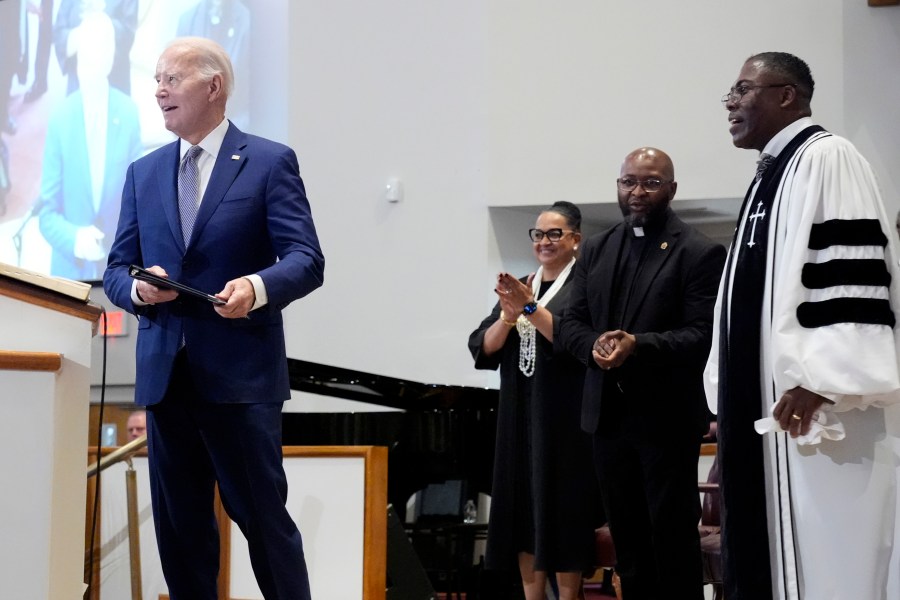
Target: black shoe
[{"x": 36, "y": 91}]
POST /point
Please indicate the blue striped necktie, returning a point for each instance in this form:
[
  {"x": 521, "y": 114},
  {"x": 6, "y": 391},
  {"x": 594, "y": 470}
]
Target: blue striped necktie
[{"x": 189, "y": 191}]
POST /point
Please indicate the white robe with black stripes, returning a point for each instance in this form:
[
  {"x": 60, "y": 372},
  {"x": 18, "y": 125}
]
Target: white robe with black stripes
[{"x": 832, "y": 507}]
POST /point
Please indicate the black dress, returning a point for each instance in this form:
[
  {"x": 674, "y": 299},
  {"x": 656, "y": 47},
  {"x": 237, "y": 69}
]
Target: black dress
[{"x": 544, "y": 498}]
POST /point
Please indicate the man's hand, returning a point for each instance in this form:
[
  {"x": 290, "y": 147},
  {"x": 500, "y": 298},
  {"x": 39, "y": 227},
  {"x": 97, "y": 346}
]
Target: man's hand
[
  {"x": 151, "y": 294},
  {"x": 612, "y": 348},
  {"x": 89, "y": 243},
  {"x": 795, "y": 410},
  {"x": 239, "y": 296}
]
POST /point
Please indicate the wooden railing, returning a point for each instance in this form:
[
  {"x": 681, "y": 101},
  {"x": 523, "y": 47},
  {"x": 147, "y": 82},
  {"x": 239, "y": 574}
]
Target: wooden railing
[
  {"x": 14, "y": 360},
  {"x": 119, "y": 455}
]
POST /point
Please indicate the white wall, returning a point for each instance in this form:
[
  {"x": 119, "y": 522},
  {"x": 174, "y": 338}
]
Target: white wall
[
  {"x": 393, "y": 89},
  {"x": 872, "y": 89},
  {"x": 490, "y": 111},
  {"x": 476, "y": 104},
  {"x": 577, "y": 88}
]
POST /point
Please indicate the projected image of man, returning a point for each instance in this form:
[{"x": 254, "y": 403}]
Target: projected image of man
[{"x": 92, "y": 137}]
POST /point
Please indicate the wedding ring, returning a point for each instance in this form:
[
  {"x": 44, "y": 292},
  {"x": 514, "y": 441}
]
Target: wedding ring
[{"x": 796, "y": 416}]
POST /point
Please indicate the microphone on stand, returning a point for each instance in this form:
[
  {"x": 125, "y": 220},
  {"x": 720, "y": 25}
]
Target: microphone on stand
[{"x": 35, "y": 209}]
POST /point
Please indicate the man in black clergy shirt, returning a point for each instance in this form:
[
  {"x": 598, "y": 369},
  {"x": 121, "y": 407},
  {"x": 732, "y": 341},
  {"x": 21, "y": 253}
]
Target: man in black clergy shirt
[{"x": 640, "y": 318}]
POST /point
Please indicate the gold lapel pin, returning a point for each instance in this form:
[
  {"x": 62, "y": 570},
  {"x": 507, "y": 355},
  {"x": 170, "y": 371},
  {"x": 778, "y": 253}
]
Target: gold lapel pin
[{"x": 664, "y": 245}]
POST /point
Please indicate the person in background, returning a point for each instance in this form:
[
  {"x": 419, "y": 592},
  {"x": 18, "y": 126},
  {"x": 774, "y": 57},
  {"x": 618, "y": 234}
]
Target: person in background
[
  {"x": 68, "y": 37},
  {"x": 218, "y": 209},
  {"x": 136, "y": 425},
  {"x": 640, "y": 318},
  {"x": 13, "y": 56},
  {"x": 807, "y": 353},
  {"x": 44, "y": 13},
  {"x": 13, "y": 62},
  {"x": 544, "y": 501}
]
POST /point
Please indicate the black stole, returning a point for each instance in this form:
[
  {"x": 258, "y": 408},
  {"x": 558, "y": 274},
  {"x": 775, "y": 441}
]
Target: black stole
[{"x": 745, "y": 544}]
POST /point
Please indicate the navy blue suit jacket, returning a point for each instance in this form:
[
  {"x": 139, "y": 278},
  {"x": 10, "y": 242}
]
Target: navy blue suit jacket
[{"x": 254, "y": 218}]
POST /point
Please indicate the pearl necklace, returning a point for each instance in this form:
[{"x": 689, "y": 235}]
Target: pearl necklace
[
  {"x": 527, "y": 331},
  {"x": 527, "y": 341}
]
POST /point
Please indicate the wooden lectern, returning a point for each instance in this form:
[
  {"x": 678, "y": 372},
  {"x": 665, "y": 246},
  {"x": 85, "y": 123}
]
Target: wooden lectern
[{"x": 45, "y": 364}]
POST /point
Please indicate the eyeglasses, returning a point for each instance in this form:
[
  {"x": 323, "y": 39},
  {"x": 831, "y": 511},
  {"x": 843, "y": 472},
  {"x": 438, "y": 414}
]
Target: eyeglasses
[
  {"x": 553, "y": 235},
  {"x": 736, "y": 94},
  {"x": 628, "y": 184}
]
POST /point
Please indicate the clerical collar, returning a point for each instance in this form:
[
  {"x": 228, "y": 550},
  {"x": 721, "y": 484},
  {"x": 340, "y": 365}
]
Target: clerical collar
[
  {"x": 783, "y": 137},
  {"x": 652, "y": 228}
]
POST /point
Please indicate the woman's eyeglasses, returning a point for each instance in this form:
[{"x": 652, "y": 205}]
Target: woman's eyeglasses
[{"x": 553, "y": 235}]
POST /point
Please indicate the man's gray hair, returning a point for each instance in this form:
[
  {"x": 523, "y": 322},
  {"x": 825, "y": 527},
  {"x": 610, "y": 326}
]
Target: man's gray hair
[{"x": 211, "y": 60}]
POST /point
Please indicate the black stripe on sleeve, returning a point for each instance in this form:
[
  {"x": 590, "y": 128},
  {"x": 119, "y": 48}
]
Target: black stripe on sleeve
[
  {"x": 846, "y": 232},
  {"x": 845, "y": 310},
  {"x": 845, "y": 272}
]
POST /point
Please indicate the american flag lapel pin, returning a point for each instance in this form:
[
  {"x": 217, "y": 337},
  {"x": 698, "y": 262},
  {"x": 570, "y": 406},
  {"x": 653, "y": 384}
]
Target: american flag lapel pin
[{"x": 235, "y": 157}]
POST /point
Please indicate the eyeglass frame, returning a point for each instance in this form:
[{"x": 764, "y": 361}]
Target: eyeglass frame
[
  {"x": 642, "y": 183},
  {"x": 732, "y": 93},
  {"x": 546, "y": 234}
]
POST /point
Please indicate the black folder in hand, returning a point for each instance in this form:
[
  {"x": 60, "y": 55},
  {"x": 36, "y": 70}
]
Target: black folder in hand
[{"x": 145, "y": 275}]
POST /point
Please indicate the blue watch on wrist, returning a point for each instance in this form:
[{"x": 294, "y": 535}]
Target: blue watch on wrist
[{"x": 529, "y": 308}]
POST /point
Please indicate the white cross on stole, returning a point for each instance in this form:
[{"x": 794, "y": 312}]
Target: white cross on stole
[{"x": 759, "y": 214}]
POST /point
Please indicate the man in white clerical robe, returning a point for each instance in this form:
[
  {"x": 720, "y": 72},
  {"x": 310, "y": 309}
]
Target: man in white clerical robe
[{"x": 804, "y": 368}]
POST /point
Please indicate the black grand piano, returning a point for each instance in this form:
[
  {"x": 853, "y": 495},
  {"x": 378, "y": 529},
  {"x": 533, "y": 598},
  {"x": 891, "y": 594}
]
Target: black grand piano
[{"x": 438, "y": 434}]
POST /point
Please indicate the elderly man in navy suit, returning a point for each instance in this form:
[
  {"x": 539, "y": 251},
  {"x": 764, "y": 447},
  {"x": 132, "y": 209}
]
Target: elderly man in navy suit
[
  {"x": 640, "y": 318},
  {"x": 217, "y": 209}
]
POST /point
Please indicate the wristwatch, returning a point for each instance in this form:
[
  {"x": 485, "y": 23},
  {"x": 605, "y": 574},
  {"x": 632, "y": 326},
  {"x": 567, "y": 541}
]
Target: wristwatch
[{"x": 529, "y": 308}]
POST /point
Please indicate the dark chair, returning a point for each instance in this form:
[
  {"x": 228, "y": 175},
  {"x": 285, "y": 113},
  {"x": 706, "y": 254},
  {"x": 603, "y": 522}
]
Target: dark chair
[{"x": 444, "y": 543}]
